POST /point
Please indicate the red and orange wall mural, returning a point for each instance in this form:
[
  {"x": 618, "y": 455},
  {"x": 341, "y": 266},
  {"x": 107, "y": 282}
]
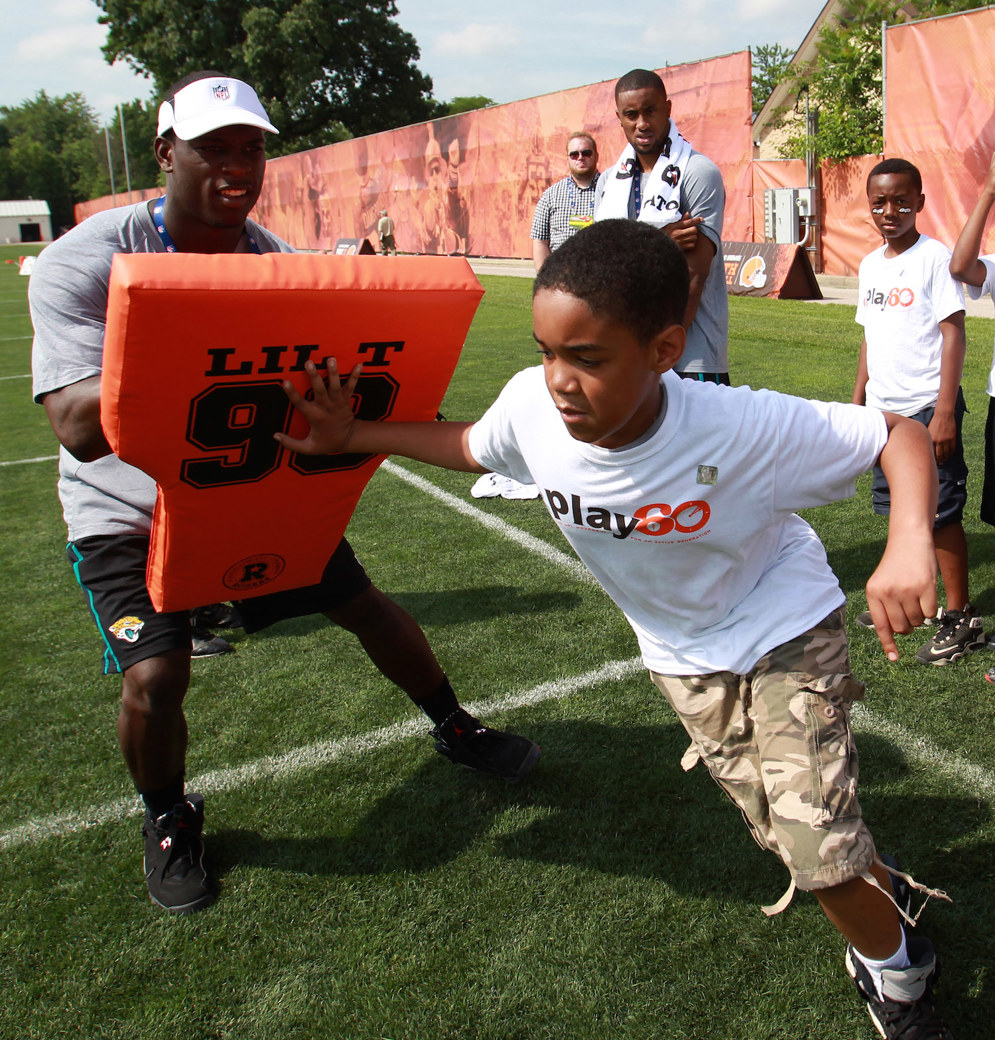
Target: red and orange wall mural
[{"x": 469, "y": 183}]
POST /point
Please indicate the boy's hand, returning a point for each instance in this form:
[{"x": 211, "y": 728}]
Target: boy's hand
[
  {"x": 329, "y": 413},
  {"x": 684, "y": 232},
  {"x": 943, "y": 430},
  {"x": 901, "y": 593}
]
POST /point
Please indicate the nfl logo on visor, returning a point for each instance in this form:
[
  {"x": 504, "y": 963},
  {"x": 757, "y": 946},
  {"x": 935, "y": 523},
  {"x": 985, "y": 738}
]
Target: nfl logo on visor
[{"x": 221, "y": 92}]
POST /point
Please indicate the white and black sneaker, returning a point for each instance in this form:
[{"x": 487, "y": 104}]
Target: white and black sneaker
[
  {"x": 905, "y": 1009},
  {"x": 175, "y": 874},
  {"x": 865, "y": 620},
  {"x": 961, "y": 633}
]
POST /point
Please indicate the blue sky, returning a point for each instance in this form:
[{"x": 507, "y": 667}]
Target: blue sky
[{"x": 506, "y": 51}]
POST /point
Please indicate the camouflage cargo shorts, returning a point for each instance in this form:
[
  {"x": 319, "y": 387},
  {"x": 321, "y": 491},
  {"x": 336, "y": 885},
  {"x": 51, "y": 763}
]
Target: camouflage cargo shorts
[{"x": 778, "y": 742}]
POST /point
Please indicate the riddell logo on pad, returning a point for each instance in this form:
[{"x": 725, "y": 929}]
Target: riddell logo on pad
[
  {"x": 651, "y": 521},
  {"x": 254, "y": 571}
]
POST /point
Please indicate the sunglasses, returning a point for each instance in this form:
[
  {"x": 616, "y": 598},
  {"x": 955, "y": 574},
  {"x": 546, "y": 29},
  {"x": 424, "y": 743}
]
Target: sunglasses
[{"x": 585, "y": 153}]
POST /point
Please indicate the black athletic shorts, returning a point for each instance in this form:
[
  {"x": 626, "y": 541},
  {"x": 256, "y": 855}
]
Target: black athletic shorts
[
  {"x": 722, "y": 378},
  {"x": 952, "y": 475},
  {"x": 110, "y": 570},
  {"x": 988, "y": 489}
]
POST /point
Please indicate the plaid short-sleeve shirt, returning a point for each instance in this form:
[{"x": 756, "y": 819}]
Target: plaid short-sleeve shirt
[{"x": 558, "y": 203}]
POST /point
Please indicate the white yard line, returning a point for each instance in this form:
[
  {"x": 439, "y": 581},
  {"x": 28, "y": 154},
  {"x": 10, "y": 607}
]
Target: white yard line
[
  {"x": 920, "y": 752},
  {"x": 24, "y": 462},
  {"x": 313, "y": 756}
]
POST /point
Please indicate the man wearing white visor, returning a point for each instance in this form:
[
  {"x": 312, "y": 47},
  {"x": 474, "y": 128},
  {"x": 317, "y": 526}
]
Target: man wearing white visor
[{"x": 211, "y": 146}]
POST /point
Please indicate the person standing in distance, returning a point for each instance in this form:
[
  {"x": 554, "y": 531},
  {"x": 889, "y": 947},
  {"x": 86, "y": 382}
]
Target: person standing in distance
[
  {"x": 568, "y": 205},
  {"x": 385, "y": 229},
  {"x": 661, "y": 180},
  {"x": 211, "y": 146}
]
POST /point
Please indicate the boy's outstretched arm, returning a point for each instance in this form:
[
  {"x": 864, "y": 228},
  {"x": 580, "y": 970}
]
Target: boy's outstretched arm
[
  {"x": 943, "y": 426},
  {"x": 964, "y": 264},
  {"x": 334, "y": 427},
  {"x": 901, "y": 592},
  {"x": 860, "y": 383}
]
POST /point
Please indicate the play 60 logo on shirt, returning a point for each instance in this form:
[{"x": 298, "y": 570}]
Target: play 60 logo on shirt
[
  {"x": 900, "y": 296},
  {"x": 657, "y": 520}
]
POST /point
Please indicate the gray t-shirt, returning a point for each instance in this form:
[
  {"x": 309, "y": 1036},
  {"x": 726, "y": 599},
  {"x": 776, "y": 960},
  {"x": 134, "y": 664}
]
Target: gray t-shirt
[
  {"x": 68, "y": 299},
  {"x": 702, "y": 195}
]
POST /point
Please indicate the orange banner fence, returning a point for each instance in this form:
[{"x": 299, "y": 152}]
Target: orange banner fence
[{"x": 469, "y": 183}]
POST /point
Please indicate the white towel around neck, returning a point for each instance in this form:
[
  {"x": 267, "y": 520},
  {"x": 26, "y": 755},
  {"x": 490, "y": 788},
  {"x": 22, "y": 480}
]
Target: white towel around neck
[{"x": 661, "y": 195}]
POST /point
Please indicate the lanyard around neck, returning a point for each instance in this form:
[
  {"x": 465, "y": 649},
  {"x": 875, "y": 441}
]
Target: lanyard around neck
[
  {"x": 570, "y": 195},
  {"x": 637, "y": 177},
  {"x": 158, "y": 218}
]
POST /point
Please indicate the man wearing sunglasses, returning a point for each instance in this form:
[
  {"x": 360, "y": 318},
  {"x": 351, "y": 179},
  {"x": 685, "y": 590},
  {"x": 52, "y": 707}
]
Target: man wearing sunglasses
[{"x": 568, "y": 205}]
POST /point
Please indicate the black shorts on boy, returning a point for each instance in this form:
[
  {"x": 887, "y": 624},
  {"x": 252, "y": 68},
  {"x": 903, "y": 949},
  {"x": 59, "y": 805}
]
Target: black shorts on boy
[{"x": 952, "y": 475}]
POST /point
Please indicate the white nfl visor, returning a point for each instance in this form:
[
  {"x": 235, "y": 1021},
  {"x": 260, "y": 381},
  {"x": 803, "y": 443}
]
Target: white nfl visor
[{"x": 209, "y": 104}]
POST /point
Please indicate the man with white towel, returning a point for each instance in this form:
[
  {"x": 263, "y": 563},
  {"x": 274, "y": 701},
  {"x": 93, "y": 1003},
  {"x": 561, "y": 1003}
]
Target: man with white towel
[{"x": 659, "y": 179}]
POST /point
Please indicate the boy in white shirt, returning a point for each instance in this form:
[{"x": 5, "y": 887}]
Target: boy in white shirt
[
  {"x": 680, "y": 498},
  {"x": 978, "y": 274},
  {"x": 911, "y": 361}
]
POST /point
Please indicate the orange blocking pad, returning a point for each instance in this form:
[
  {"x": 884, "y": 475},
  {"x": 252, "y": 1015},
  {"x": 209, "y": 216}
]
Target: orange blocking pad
[{"x": 195, "y": 353}]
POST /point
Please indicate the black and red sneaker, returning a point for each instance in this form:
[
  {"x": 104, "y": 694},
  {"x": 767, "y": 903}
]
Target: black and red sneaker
[
  {"x": 175, "y": 874},
  {"x": 468, "y": 742}
]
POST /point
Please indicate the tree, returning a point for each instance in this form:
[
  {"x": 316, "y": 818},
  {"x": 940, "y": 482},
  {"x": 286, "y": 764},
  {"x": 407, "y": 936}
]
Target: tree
[
  {"x": 844, "y": 80},
  {"x": 140, "y": 121},
  {"x": 324, "y": 69},
  {"x": 770, "y": 61},
  {"x": 461, "y": 104},
  {"x": 51, "y": 149}
]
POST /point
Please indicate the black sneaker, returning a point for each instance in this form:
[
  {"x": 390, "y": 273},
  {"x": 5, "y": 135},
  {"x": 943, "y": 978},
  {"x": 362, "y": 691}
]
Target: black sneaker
[
  {"x": 961, "y": 633},
  {"x": 865, "y": 620},
  {"x": 204, "y": 643},
  {"x": 465, "y": 740},
  {"x": 906, "y": 1010},
  {"x": 174, "y": 858},
  {"x": 216, "y": 615}
]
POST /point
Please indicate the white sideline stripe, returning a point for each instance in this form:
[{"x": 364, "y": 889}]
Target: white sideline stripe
[
  {"x": 11, "y": 339},
  {"x": 922, "y": 753},
  {"x": 22, "y": 462},
  {"x": 918, "y": 751},
  {"x": 27, "y": 375},
  {"x": 513, "y": 534},
  {"x": 314, "y": 756},
  {"x": 925, "y": 754}
]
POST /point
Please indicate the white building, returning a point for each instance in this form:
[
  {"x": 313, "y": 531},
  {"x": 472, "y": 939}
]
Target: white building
[{"x": 25, "y": 220}]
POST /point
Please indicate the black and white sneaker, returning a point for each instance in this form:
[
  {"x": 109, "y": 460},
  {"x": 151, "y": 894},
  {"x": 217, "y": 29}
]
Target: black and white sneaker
[
  {"x": 961, "y": 633},
  {"x": 468, "y": 742},
  {"x": 204, "y": 643},
  {"x": 905, "y": 1011},
  {"x": 175, "y": 874},
  {"x": 865, "y": 620}
]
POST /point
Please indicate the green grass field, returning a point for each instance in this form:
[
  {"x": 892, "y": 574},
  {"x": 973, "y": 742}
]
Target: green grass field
[{"x": 371, "y": 891}]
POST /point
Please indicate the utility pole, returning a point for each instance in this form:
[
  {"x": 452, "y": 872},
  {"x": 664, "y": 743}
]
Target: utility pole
[
  {"x": 124, "y": 150},
  {"x": 110, "y": 165}
]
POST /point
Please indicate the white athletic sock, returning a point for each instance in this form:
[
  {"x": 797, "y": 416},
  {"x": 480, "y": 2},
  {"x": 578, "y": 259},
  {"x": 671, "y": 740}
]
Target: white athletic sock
[{"x": 898, "y": 960}]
